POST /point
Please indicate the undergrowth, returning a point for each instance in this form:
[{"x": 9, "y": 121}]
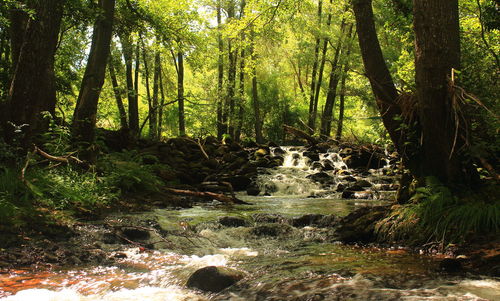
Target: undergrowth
[
  {"x": 61, "y": 192},
  {"x": 435, "y": 214}
]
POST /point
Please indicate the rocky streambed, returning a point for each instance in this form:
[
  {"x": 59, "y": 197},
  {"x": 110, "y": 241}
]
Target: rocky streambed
[{"x": 308, "y": 235}]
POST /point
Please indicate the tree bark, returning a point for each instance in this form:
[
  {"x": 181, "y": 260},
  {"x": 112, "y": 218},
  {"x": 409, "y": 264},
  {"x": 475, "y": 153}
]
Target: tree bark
[
  {"x": 152, "y": 117},
  {"x": 377, "y": 72},
  {"x": 326, "y": 118},
  {"x": 340, "y": 121},
  {"x": 437, "y": 52},
  {"x": 311, "y": 120},
  {"x": 231, "y": 76},
  {"x": 156, "y": 85},
  {"x": 84, "y": 118},
  {"x": 220, "y": 75},
  {"x": 241, "y": 103},
  {"x": 180, "y": 93},
  {"x": 133, "y": 105},
  {"x": 162, "y": 104},
  {"x": 118, "y": 94},
  {"x": 255, "y": 93},
  {"x": 32, "y": 89}
]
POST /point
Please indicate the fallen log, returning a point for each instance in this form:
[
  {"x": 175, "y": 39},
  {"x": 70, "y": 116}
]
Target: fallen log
[
  {"x": 300, "y": 134},
  {"x": 208, "y": 195}
]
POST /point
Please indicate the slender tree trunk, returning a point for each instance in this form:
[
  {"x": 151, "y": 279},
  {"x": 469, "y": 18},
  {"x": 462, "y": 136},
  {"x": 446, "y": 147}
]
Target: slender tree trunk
[
  {"x": 437, "y": 53},
  {"x": 345, "y": 74},
  {"x": 133, "y": 105},
  {"x": 255, "y": 95},
  {"x": 136, "y": 80},
  {"x": 321, "y": 69},
  {"x": 156, "y": 85},
  {"x": 180, "y": 92},
  {"x": 151, "y": 113},
  {"x": 241, "y": 103},
  {"x": 241, "y": 89},
  {"x": 32, "y": 89},
  {"x": 326, "y": 118},
  {"x": 311, "y": 121},
  {"x": 162, "y": 104},
  {"x": 84, "y": 118},
  {"x": 118, "y": 94},
  {"x": 231, "y": 76},
  {"x": 220, "y": 78},
  {"x": 377, "y": 72}
]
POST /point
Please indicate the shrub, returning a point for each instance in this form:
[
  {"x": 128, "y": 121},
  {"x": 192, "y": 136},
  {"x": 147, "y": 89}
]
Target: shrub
[{"x": 436, "y": 214}]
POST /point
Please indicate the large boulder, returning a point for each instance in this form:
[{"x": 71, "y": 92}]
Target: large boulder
[
  {"x": 321, "y": 177},
  {"x": 213, "y": 279},
  {"x": 232, "y": 221},
  {"x": 317, "y": 220},
  {"x": 272, "y": 229},
  {"x": 359, "y": 225}
]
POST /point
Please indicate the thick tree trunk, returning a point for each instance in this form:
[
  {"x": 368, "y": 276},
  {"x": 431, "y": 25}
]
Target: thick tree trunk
[
  {"x": 377, "y": 72},
  {"x": 118, "y": 94},
  {"x": 133, "y": 105},
  {"x": 311, "y": 120},
  {"x": 180, "y": 93},
  {"x": 437, "y": 52},
  {"x": 32, "y": 89},
  {"x": 326, "y": 118},
  {"x": 220, "y": 75},
  {"x": 84, "y": 118}
]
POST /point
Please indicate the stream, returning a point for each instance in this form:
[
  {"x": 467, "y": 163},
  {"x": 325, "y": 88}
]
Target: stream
[{"x": 281, "y": 257}]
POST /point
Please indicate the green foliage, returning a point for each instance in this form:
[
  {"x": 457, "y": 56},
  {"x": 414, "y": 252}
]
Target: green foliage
[
  {"x": 13, "y": 195},
  {"x": 57, "y": 139},
  {"x": 436, "y": 214},
  {"x": 64, "y": 188},
  {"x": 127, "y": 172}
]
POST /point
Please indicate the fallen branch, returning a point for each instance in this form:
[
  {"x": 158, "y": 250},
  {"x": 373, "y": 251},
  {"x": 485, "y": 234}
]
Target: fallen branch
[
  {"x": 300, "y": 134},
  {"x": 208, "y": 195},
  {"x": 62, "y": 159}
]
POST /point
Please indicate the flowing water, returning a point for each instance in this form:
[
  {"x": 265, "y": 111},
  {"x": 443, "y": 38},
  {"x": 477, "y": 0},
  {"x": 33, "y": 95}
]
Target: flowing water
[{"x": 299, "y": 263}]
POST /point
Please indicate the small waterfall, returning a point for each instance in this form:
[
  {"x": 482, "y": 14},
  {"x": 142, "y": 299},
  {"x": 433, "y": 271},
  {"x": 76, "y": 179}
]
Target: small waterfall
[{"x": 292, "y": 177}]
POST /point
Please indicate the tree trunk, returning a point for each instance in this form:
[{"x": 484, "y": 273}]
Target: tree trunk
[
  {"x": 133, "y": 105},
  {"x": 220, "y": 76},
  {"x": 255, "y": 95},
  {"x": 326, "y": 118},
  {"x": 151, "y": 113},
  {"x": 377, "y": 72},
  {"x": 180, "y": 92},
  {"x": 340, "y": 121},
  {"x": 84, "y": 118},
  {"x": 321, "y": 69},
  {"x": 162, "y": 104},
  {"x": 156, "y": 85},
  {"x": 241, "y": 103},
  {"x": 437, "y": 52},
  {"x": 32, "y": 89},
  {"x": 311, "y": 120},
  {"x": 136, "y": 80},
  {"x": 231, "y": 76},
  {"x": 118, "y": 94}
]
